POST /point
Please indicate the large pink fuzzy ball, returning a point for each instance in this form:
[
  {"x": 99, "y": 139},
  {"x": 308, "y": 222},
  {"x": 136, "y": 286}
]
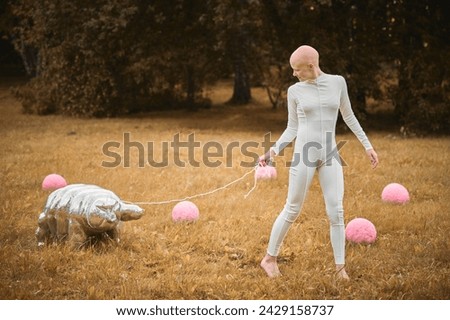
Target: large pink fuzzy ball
[
  {"x": 395, "y": 193},
  {"x": 361, "y": 230},
  {"x": 185, "y": 211},
  {"x": 266, "y": 172},
  {"x": 53, "y": 181}
]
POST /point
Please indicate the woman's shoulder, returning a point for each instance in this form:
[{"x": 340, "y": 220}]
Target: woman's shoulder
[
  {"x": 336, "y": 77},
  {"x": 294, "y": 86}
]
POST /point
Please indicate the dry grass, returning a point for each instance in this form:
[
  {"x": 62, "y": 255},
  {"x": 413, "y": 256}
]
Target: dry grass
[{"x": 218, "y": 256}]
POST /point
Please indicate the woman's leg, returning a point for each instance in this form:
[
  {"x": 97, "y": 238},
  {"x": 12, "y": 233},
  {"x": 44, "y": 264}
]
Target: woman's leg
[
  {"x": 300, "y": 177},
  {"x": 332, "y": 182}
]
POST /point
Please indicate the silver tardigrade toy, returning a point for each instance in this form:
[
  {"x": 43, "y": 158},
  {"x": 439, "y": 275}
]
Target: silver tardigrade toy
[{"x": 79, "y": 211}]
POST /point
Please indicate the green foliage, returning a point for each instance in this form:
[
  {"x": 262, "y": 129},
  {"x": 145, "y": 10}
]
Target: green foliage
[
  {"x": 110, "y": 57},
  {"x": 103, "y": 58},
  {"x": 79, "y": 55},
  {"x": 237, "y": 25},
  {"x": 419, "y": 31},
  {"x": 425, "y": 106}
]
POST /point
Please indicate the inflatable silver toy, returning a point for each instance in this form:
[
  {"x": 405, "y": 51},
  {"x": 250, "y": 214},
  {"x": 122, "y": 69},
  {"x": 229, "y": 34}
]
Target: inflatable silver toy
[{"x": 78, "y": 211}]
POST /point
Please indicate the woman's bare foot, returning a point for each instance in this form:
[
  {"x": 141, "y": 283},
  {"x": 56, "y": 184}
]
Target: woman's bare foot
[
  {"x": 341, "y": 273},
  {"x": 270, "y": 266}
]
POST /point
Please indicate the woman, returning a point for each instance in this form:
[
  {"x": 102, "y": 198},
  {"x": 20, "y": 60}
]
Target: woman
[{"x": 313, "y": 105}]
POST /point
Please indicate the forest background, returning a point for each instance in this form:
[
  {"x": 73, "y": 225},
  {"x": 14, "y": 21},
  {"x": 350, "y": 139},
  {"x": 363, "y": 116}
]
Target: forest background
[{"x": 113, "y": 57}]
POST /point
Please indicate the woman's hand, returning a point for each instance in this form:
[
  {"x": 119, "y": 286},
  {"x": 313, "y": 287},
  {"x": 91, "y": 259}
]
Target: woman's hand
[
  {"x": 373, "y": 157},
  {"x": 262, "y": 161}
]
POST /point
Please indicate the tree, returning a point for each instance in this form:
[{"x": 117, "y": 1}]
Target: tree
[
  {"x": 236, "y": 25},
  {"x": 110, "y": 57},
  {"x": 419, "y": 32},
  {"x": 275, "y": 47},
  {"x": 79, "y": 57}
]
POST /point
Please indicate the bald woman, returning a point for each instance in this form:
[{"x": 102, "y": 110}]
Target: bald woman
[{"x": 313, "y": 106}]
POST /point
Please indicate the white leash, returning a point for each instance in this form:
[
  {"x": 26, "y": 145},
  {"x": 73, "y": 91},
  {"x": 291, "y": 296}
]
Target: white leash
[{"x": 204, "y": 193}]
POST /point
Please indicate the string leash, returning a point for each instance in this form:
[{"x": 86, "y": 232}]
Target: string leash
[
  {"x": 255, "y": 180},
  {"x": 205, "y": 193}
]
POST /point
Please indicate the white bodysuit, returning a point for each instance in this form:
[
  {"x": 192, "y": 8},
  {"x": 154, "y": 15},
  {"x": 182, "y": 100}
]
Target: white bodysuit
[{"x": 313, "y": 110}]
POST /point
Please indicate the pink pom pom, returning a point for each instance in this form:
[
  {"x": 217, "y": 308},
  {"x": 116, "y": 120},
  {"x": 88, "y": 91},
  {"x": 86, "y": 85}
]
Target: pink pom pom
[
  {"x": 395, "y": 193},
  {"x": 266, "y": 172},
  {"x": 360, "y": 230},
  {"x": 53, "y": 181},
  {"x": 185, "y": 211}
]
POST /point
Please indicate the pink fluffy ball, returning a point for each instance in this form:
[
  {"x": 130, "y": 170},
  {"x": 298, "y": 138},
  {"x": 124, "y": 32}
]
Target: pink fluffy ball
[
  {"x": 395, "y": 193},
  {"x": 361, "y": 230},
  {"x": 266, "y": 172},
  {"x": 53, "y": 181},
  {"x": 185, "y": 211}
]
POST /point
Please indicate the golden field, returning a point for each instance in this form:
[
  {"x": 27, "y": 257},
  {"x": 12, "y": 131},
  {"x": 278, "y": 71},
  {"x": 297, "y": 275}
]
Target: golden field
[{"x": 218, "y": 256}]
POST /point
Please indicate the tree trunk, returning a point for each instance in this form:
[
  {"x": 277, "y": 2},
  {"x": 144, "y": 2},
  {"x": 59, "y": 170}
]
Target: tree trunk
[
  {"x": 241, "y": 90},
  {"x": 361, "y": 105},
  {"x": 190, "y": 87}
]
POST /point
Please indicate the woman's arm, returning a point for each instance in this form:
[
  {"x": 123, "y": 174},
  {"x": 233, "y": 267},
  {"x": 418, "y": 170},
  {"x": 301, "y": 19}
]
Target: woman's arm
[
  {"x": 289, "y": 133},
  {"x": 350, "y": 120}
]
